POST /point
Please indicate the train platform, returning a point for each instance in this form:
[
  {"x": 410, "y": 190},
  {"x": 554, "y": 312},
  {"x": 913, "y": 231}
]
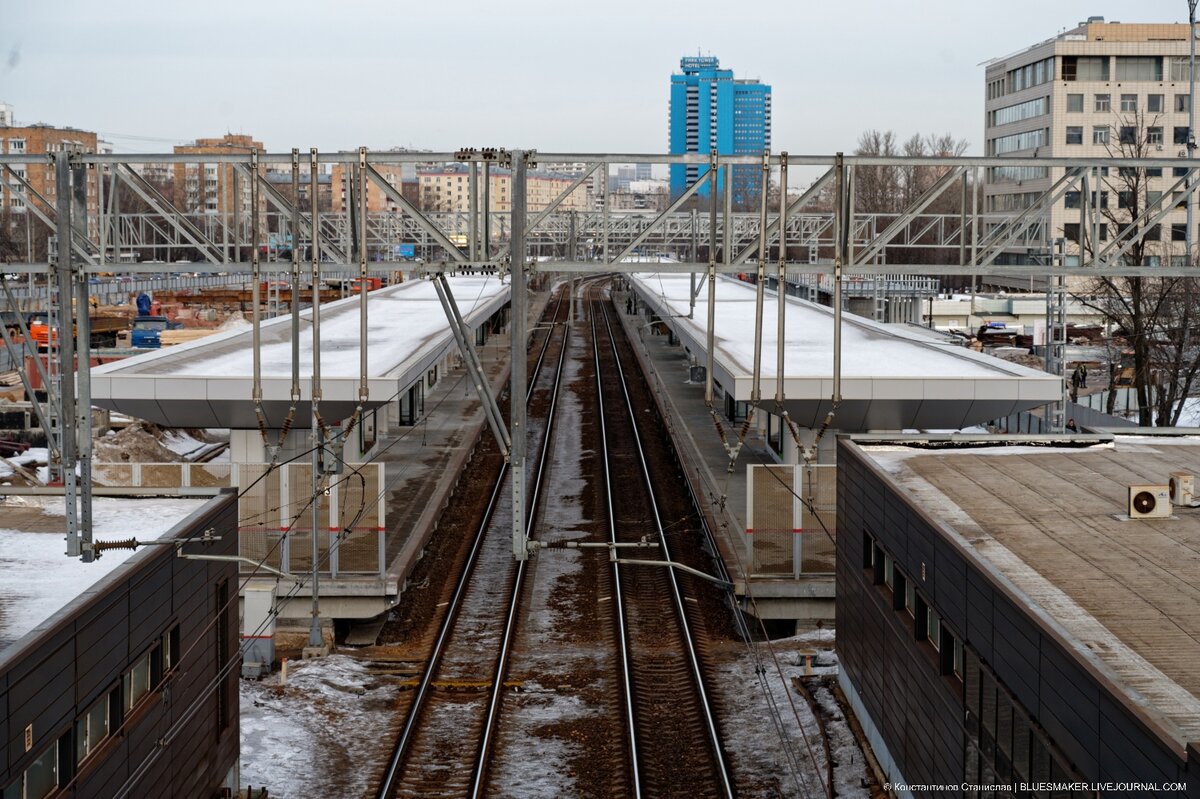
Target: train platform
[{"x": 773, "y": 514}]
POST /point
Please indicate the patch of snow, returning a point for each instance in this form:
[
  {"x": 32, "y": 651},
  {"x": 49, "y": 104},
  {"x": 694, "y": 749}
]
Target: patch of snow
[
  {"x": 181, "y": 443},
  {"x": 768, "y": 717},
  {"x": 30, "y": 457},
  {"x": 37, "y": 578},
  {"x": 326, "y": 733}
]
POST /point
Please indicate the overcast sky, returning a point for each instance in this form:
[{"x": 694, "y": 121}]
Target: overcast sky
[{"x": 555, "y": 76}]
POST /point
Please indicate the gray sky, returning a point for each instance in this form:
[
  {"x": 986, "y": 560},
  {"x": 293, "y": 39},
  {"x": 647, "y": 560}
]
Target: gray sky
[{"x": 555, "y": 76}]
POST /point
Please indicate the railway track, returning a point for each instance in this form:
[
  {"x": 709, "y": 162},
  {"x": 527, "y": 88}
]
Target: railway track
[
  {"x": 443, "y": 745},
  {"x": 625, "y": 655},
  {"x": 674, "y": 744}
]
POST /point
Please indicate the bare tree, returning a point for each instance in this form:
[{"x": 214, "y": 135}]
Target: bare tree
[{"x": 1157, "y": 316}]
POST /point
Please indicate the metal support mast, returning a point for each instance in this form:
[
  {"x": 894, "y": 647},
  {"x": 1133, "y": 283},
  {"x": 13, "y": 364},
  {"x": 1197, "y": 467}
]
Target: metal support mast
[
  {"x": 314, "y": 633},
  {"x": 59, "y": 327},
  {"x": 83, "y": 350},
  {"x": 520, "y": 325}
]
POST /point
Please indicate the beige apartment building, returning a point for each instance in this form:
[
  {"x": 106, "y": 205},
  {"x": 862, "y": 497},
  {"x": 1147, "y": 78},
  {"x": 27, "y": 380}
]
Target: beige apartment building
[
  {"x": 1099, "y": 90},
  {"x": 210, "y": 188},
  {"x": 38, "y": 139},
  {"x": 448, "y": 190},
  {"x": 401, "y": 177}
]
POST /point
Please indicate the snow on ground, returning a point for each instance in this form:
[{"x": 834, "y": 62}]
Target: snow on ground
[
  {"x": 326, "y": 733},
  {"x": 537, "y": 716},
  {"x": 37, "y": 578},
  {"x": 30, "y": 457},
  {"x": 869, "y": 349},
  {"x": 1190, "y": 415},
  {"x": 766, "y": 716},
  {"x": 182, "y": 443}
]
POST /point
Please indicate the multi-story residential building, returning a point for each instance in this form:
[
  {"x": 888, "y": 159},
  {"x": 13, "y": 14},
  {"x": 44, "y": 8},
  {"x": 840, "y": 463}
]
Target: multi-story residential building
[
  {"x": 38, "y": 139},
  {"x": 208, "y": 188},
  {"x": 1101, "y": 89},
  {"x": 447, "y": 190},
  {"x": 710, "y": 112},
  {"x": 402, "y": 177},
  {"x": 282, "y": 182}
]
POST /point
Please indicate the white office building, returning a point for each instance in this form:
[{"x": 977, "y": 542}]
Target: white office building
[{"x": 1099, "y": 90}]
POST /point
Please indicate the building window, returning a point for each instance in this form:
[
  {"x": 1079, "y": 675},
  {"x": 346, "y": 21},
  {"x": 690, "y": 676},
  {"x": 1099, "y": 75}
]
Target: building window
[
  {"x": 1181, "y": 134},
  {"x": 1181, "y": 68},
  {"x": 1103, "y": 103},
  {"x": 1071, "y": 231},
  {"x": 93, "y": 727},
  {"x": 136, "y": 683},
  {"x": 1020, "y": 141},
  {"x": 1071, "y": 199},
  {"x": 1154, "y": 135},
  {"x": 933, "y": 627},
  {"x": 16, "y": 145},
  {"x": 1181, "y": 102},
  {"x": 1139, "y": 68},
  {"x": 1179, "y": 232},
  {"x": 1129, "y": 103},
  {"x": 910, "y": 599},
  {"x": 1154, "y": 103},
  {"x": 1020, "y": 111},
  {"x": 1128, "y": 134},
  {"x": 1100, "y": 134},
  {"x": 1084, "y": 67},
  {"x": 1074, "y": 134},
  {"x": 1074, "y": 103},
  {"x": 1154, "y": 171},
  {"x": 39, "y": 780},
  {"x": 889, "y": 572}
]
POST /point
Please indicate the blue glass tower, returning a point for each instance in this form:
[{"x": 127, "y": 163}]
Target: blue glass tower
[{"x": 713, "y": 112}]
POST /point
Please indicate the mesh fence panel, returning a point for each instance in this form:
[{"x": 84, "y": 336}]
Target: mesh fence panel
[
  {"x": 162, "y": 475},
  {"x": 112, "y": 474},
  {"x": 772, "y": 515},
  {"x": 817, "y": 548},
  {"x": 259, "y": 505},
  {"x": 211, "y": 475}
]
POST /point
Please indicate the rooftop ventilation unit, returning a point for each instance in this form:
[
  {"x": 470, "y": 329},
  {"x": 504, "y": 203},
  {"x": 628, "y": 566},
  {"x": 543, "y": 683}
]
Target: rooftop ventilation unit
[
  {"x": 1149, "y": 502},
  {"x": 1183, "y": 489}
]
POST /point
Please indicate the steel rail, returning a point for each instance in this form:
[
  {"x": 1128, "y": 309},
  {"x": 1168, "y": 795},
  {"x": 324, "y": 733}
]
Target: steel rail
[
  {"x": 421, "y": 694},
  {"x": 483, "y": 757},
  {"x": 677, "y": 596},
  {"x": 619, "y": 599}
]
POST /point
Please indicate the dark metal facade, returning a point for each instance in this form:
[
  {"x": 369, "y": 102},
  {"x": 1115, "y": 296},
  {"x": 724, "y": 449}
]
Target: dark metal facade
[
  {"x": 145, "y": 647},
  {"x": 1014, "y": 668}
]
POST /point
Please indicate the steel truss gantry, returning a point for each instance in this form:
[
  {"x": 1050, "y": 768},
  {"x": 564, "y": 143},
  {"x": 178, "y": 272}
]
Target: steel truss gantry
[{"x": 825, "y": 239}]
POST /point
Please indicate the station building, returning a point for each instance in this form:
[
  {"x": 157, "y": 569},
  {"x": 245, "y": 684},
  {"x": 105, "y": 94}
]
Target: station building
[
  {"x": 131, "y": 685},
  {"x": 1002, "y": 621}
]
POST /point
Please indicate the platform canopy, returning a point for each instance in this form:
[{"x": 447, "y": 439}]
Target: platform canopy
[
  {"x": 893, "y": 377},
  {"x": 209, "y": 382}
]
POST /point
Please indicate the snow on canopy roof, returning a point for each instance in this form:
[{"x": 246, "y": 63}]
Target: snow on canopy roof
[
  {"x": 37, "y": 579},
  {"x": 869, "y": 349},
  {"x": 209, "y": 382},
  {"x": 400, "y": 319}
]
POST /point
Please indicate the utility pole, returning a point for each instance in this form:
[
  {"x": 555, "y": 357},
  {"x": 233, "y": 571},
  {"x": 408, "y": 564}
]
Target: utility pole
[{"x": 1191, "y": 139}]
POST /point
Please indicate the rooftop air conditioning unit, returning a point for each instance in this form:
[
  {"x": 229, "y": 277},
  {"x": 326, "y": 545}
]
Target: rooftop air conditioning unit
[
  {"x": 1183, "y": 489},
  {"x": 1149, "y": 502}
]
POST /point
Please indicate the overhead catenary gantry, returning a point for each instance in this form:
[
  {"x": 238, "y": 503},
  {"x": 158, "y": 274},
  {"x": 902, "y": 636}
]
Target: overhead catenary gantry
[{"x": 811, "y": 231}]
